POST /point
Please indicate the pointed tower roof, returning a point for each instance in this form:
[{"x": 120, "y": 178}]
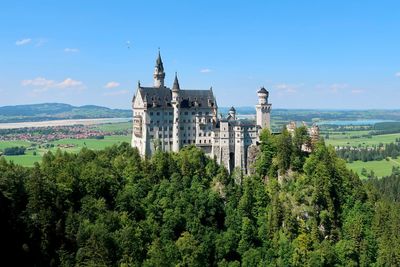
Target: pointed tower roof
[
  {"x": 232, "y": 109},
  {"x": 159, "y": 63},
  {"x": 176, "y": 86},
  {"x": 262, "y": 90}
]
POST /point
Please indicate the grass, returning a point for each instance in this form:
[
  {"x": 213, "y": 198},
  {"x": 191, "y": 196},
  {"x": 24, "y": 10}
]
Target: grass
[
  {"x": 6, "y": 144},
  {"x": 26, "y": 160},
  {"x": 345, "y": 140},
  {"x": 29, "y": 159},
  {"x": 111, "y": 127},
  {"x": 380, "y": 168}
]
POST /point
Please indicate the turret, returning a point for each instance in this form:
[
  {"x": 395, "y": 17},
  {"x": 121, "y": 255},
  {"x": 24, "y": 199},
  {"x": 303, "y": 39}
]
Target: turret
[
  {"x": 232, "y": 113},
  {"x": 263, "y": 109},
  {"x": 262, "y": 96},
  {"x": 175, "y": 104},
  {"x": 159, "y": 73}
]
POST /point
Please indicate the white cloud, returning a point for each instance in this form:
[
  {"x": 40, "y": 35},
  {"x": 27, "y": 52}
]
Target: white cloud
[
  {"x": 71, "y": 50},
  {"x": 42, "y": 84},
  {"x": 23, "y": 41},
  {"x": 287, "y": 88},
  {"x": 39, "y": 82},
  {"x": 110, "y": 85},
  {"x": 205, "y": 70},
  {"x": 397, "y": 74},
  {"x": 116, "y": 93},
  {"x": 69, "y": 83}
]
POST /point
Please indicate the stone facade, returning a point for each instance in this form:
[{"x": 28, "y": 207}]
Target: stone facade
[
  {"x": 313, "y": 132},
  {"x": 170, "y": 118}
]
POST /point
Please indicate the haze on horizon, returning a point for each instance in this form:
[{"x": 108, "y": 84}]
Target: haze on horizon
[{"x": 337, "y": 55}]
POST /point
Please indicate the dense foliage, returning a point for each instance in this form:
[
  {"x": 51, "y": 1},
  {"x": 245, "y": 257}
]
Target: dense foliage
[
  {"x": 15, "y": 150},
  {"x": 389, "y": 186},
  {"x": 377, "y": 152},
  {"x": 113, "y": 208}
]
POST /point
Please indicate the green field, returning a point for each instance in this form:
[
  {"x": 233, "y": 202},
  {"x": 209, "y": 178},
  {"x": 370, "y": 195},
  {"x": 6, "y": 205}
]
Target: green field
[
  {"x": 380, "y": 168},
  {"x": 345, "y": 140},
  {"x": 5, "y": 144},
  {"x": 29, "y": 159},
  {"x": 111, "y": 127}
]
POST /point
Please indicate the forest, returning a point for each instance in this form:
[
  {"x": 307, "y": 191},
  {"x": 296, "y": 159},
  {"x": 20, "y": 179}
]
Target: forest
[
  {"x": 377, "y": 152},
  {"x": 112, "y": 208}
]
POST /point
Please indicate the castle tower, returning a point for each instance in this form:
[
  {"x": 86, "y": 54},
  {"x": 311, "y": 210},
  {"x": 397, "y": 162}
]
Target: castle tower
[
  {"x": 159, "y": 73},
  {"x": 232, "y": 113},
  {"x": 314, "y": 134},
  {"x": 263, "y": 109},
  {"x": 175, "y": 103}
]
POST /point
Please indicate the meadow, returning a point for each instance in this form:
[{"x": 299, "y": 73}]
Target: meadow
[
  {"x": 346, "y": 140},
  {"x": 355, "y": 138},
  {"x": 34, "y": 154}
]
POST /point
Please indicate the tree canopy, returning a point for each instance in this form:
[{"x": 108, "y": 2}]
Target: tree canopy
[{"x": 113, "y": 208}]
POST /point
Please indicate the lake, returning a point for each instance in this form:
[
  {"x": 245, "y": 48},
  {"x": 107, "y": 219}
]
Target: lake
[{"x": 16, "y": 125}]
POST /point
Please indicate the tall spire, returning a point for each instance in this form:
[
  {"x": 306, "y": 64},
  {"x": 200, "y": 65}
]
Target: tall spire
[
  {"x": 159, "y": 73},
  {"x": 176, "y": 86},
  {"x": 159, "y": 63}
]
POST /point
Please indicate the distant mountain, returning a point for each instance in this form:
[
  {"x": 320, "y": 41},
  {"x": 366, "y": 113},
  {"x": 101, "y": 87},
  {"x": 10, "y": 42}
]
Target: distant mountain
[{"x": 58, "y": 111}]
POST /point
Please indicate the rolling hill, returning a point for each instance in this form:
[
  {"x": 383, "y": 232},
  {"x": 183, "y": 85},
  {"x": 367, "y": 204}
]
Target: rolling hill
[{"x": 57, "y": 111}]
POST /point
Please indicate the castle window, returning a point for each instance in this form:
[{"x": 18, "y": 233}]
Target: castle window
[
  {"x": 184, "y": 141},
  {"x": 199, "y": 134},
  {"x": 193, "y": 113},
  {"x": 151, "y": 129},
  {"x": 158, "y": 113},
  {"x": 151, "y": 112},
  {"x": 200, "y": 113},
  {"x": 207, "y": 113},
  {"x": 151, "y": 121},
  {"x": 159, "y": 136},
  {"x": 184, "y": 121},
  {"x": 186, "y": 113},
  {"x": 200, "y": 141}
]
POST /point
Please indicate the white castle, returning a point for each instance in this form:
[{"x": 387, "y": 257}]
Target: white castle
[{"x": 168, "y": 119}]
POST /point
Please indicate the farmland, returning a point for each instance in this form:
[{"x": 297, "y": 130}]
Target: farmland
[
  {"x": 100, "y": 135},
  {"x": 30, "y": 158},
  {"x": 37, "y": 143}
]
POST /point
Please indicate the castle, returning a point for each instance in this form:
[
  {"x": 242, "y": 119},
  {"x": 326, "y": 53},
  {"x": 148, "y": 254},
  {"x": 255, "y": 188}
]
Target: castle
[{"x": 170, "y": 118}]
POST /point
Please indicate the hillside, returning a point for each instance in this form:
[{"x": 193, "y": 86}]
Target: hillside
[
  {"x": 113, "y": 208},
  {"x": 57, "y": 111}
]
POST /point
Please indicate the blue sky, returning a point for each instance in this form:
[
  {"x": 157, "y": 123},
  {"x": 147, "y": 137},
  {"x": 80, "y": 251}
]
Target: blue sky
[{"x": 308, "y": 54}]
